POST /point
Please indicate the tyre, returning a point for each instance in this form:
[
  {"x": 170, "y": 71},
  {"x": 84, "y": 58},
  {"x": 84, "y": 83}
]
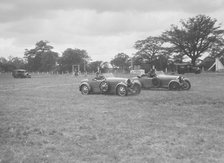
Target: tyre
[
  {"x": 121, "y": 90},
  {"x": 186, "y": 85},
  {"x": 84, "y": 89},
  {"x": 136, "y": 89},
  {"x": 174, "y": 86}
]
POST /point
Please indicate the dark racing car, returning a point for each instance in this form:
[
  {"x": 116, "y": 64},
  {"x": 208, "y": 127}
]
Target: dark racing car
[
  {"x": 161, "y": 80},
  {"x": 187, "y": 68},
  {"x": 110, "y": 85},
  {"x": 20, "y": 73}
]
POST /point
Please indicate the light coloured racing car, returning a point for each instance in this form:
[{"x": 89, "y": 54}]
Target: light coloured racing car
[{"x": 161, "y": 80}]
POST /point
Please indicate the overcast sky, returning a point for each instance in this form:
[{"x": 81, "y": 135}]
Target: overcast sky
[{"x": 103, "y": 28}]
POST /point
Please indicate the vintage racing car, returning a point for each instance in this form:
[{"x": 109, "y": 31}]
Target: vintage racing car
[
  {"x": 20, "y": 73},
  {"x": 105, "y": 84},
  {"x": 161, "y": 80},
  {"x": 187, "y": 68}
]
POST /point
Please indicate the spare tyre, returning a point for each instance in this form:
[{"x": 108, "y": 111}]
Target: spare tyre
[{"x": 104, "y": 86}]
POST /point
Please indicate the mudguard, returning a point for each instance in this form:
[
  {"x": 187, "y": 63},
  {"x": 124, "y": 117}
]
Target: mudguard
[
  {"x": 84, "y": 83},
  {"x": 173, "y": 81},
  {"x": 121, "y": 83},
  {"x": 186, "y": 79},
  {"x": 137, "y": 82}
]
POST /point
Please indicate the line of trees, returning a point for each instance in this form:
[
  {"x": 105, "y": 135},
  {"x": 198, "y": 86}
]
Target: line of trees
[{"x": 191, "y": 39}]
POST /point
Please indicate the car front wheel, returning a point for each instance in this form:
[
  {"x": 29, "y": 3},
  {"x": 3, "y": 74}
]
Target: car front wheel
[
  {"x": 121, "y": 90},
  {"x": 84, "y": 89},
  {"x": 186, "y": 85},
  {"x": 174, "y": 86},
  {"x": 136, "y": 89}
]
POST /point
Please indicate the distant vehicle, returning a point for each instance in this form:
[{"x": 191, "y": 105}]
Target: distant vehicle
[
  {"x": 20, "y": 73},
  {"x": 161, "y": 80},
  {"x": 187, "y": 68},
  {"x": 110, "y": 85}
]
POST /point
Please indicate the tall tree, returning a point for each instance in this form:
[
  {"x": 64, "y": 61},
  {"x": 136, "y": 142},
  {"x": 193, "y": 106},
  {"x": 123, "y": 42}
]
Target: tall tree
[
  {"x": 105, "y": 67},
  {"x": 48, "y": 61},
  {"x": 149, "y": 50},
  {"x": 3, "y": 64},
  {"x": 73, "y": 57},
  {"x": 17, "y": 62},
  {"x": 121, "y": 61},
  {"x": 195, "y": 36},
  {"x": 34, "y": 56},
  {"x": 217, "y": 49},
  {"x": 94, "y": 66}
]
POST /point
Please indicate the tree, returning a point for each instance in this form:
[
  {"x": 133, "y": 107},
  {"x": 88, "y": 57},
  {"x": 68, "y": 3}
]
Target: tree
[
  {"x": 217, "y": 49},
  {"x": 94, "y": 66},
  {"x": 17, "y": 62},
  {"x": 3, "y": 63},
  {"x": 48, "y": 61},
  {"x": 121, "y": 61},
  {"x": 207, "y": 62},
  {"x": 150, "y": 51},
  {"x": 105, "y": 67},
  {"x": 71, "y": 57},
  {"x": 34, "y": 56},
  {"x": 195, "y": 37}
]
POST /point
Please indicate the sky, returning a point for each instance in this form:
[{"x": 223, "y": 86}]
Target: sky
[{"x": 103, "y": 28}]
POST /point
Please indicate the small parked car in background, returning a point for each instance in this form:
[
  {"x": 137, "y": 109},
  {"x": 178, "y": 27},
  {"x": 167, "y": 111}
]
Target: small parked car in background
[
  {"x": 161, "y": 80},
  {"x": 20, "y": 73},
  {"x": 102, "y": 84}
]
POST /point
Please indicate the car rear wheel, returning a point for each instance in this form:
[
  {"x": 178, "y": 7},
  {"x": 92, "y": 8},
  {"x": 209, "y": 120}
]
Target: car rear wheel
[
  {"x": 186, "y": 85},
  {"x": 85, "y": 90},
  {"x": 121, "y": 90},
  {"x": 174, "y": 86}
]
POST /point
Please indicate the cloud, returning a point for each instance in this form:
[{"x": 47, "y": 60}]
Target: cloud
[
  {"x": 103, "y": 28},
  {"x": 12, "y": 10}
]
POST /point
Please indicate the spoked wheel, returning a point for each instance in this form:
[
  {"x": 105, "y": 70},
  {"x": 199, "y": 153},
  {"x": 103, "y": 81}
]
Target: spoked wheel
[
  {"x": 174, "y": 86},
  {"x": 121, "y": 90},
  {"x": 136, "y": 89},
  {"x": 186, "y": 85},
  {"x": 85, "y": 90},
  {"x": 104, "y": 86}
]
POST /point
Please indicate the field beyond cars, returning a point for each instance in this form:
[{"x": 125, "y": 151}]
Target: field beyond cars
[
  {"x": 161, "y": 80},
  {"x": 20, "y": 73},
  {"x": 110, "y": 85}
]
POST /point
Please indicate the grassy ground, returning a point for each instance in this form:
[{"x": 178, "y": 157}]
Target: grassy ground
[{"x": 46, "y": 119}]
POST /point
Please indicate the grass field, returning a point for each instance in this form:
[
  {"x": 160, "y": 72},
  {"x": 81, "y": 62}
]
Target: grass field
[{"x": 46, "y": 119}]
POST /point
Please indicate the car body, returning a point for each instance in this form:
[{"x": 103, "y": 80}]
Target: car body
[
  {"x": 187, "y": 68},
  {"x": 20, "y": 73},
  {"x": 161, "y": 80},
  {"x": 110, "y": 85}
]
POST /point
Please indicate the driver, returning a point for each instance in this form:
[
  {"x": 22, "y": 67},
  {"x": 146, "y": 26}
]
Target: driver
[
  {"x": 98, "y": 76},
  {"x": 152, "y": 72}
]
